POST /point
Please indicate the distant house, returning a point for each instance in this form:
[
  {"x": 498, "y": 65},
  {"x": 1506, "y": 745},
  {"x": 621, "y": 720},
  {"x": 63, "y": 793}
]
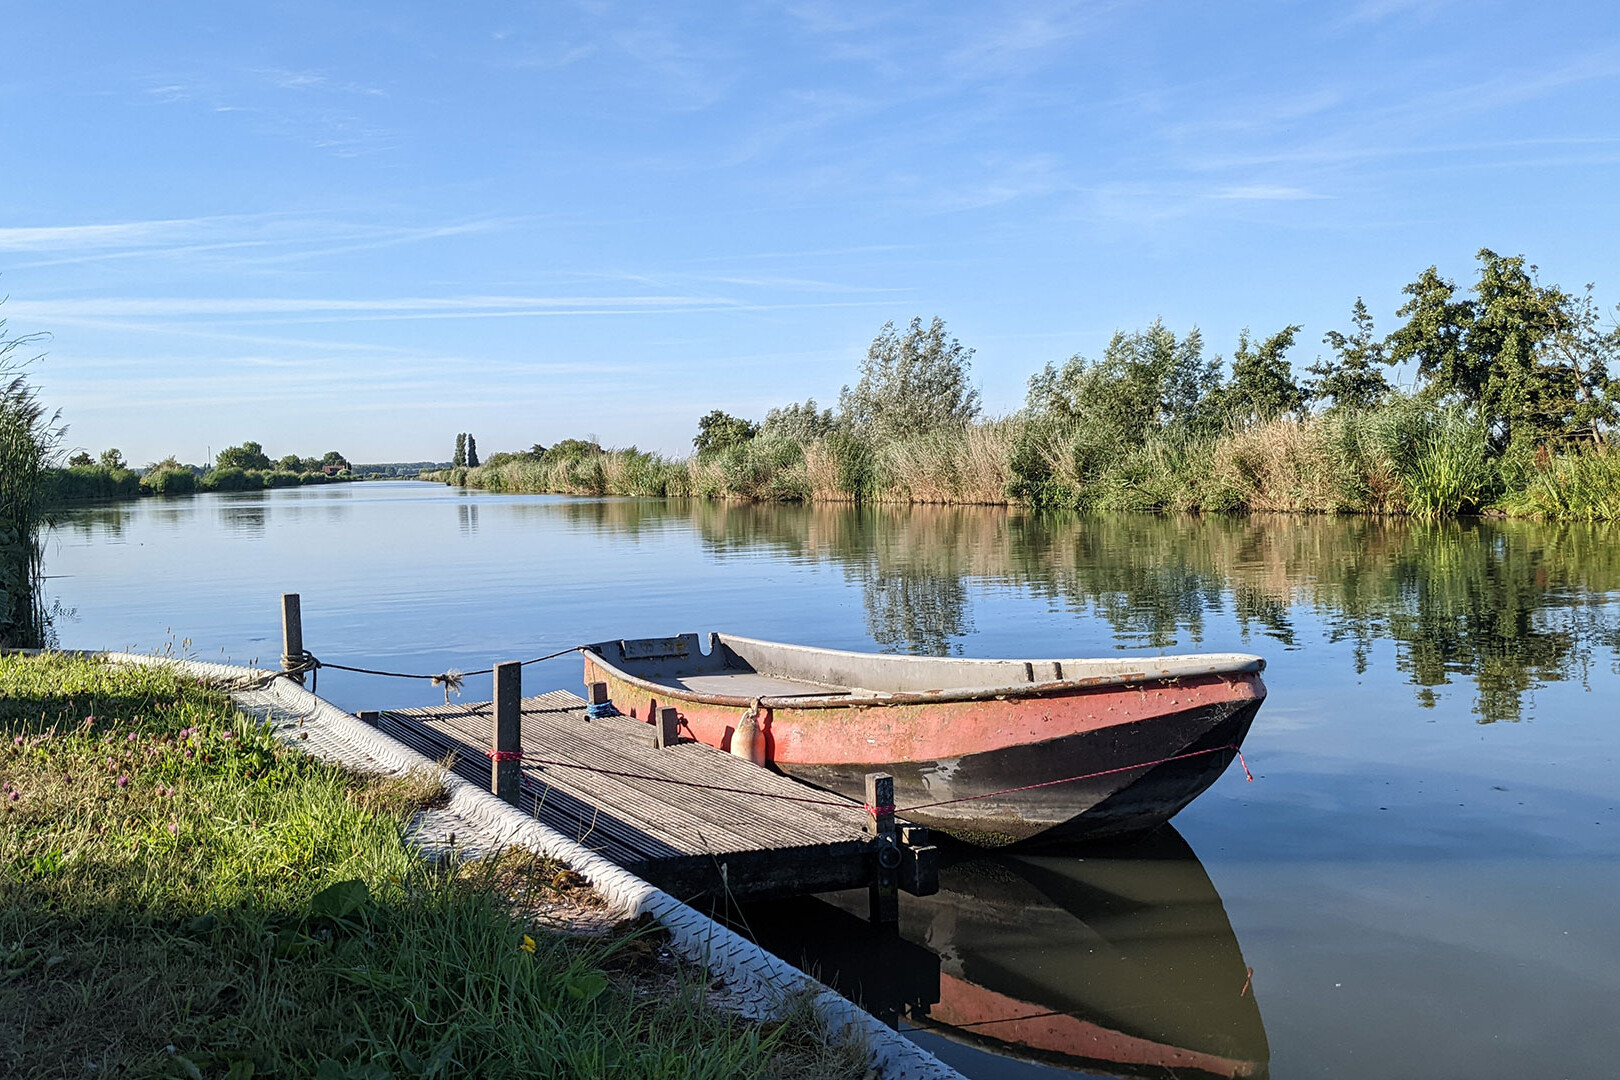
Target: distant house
[{"x": 333, "y": 470}]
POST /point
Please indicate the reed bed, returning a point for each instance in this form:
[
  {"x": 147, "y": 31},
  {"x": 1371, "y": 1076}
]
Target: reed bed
[{"x": 1405, "y": 458}]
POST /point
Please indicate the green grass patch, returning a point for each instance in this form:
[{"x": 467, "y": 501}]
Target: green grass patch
[{"x": 183, "y": 896}]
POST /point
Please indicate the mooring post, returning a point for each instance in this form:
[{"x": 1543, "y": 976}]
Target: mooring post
[
  {"x": 596, "y": 700},
  {"x": 292, "y": 635},
  {"x": 506, "y": 741},
  {"x": 667, "y": 732},
  {"x": 883, "y": 895}
]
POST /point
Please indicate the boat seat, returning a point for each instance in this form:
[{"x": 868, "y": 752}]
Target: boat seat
[{"x": 749, "y": 684}]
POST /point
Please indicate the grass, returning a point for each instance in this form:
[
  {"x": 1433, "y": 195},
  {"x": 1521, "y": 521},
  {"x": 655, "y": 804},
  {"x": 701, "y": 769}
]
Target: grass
[
  {"x": 1581, "y": 485},
  {"x": 27, "y": 439},
  {"x": 181, "y": 895}
]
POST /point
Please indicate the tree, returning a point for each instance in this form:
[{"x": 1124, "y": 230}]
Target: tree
[
  {"x": 1585, "y": 350},
  {"x": 250, "y": 455},
  {"x": 1263, "y": 385},
  {"x": 1352, "y": 379},
  {"x": 1529, "y": 357},
  {"x": 80, "y": 459},
  {"x": 911, "y": 383},
  {"x": 290, "y": 463},
  {"x": 801, "y": 423},
  {"x": 334, "y": 458},
  {"x": 459, "y": 459},
  {"x": 1146, "y": 382},
  {"x": 720, "y": 430},
  {"x": 113, "y": 459},
  {"x": 472, "y": 451}
]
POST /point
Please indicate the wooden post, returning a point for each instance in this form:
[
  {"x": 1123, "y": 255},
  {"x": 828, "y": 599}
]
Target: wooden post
[
  {"x": 667, "y": 732},
  {"x": 292, "y": 634},
  {"x": 369, "y": 717},
  {"x": 506, "y": 741},
  {"x": 596, "y": 700},
  {"x": 883, "y": 895}
]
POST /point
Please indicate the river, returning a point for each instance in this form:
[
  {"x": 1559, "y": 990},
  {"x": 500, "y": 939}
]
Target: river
[{"x": 1421, "y": 881}]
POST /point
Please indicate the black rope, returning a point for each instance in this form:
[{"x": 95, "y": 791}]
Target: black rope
[{"x": 308, "y": 663}]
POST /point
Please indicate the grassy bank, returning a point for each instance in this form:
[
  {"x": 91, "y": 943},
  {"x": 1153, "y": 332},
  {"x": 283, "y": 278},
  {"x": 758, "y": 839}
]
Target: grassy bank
[
  {"x": 182, "y": 896},
  {"x": 1403, "y": 458}
]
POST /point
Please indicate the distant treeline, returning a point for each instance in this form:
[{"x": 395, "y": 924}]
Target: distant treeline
[
  {"x": 1511, "y": 408},
  {"x": 237, "y": 468}
]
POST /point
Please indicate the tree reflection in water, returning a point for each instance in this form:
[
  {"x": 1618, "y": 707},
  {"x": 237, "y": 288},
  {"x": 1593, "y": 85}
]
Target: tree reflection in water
[{"x": 1504, "y": 605}]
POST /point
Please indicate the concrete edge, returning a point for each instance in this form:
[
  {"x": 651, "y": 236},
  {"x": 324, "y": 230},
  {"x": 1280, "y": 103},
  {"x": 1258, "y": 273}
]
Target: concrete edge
[{"x": 750, "y": 970}]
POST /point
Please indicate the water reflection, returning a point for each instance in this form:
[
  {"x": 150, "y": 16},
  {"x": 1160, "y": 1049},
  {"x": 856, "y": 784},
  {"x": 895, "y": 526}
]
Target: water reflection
[
  {"x": 1123, "y": 964},
  {"x": 1498, "y": 607},
  {"x": 1506, "y": 605},
  {"x": 244, "y": 517}
]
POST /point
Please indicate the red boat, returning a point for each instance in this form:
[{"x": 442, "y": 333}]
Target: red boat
[{"x": 993, "y": 752}]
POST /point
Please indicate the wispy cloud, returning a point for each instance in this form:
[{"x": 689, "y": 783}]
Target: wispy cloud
[
  {"x": 1266, "y": 193},
  {"x": 118, "y": 234},
  {"x": 257, "y": 240}
]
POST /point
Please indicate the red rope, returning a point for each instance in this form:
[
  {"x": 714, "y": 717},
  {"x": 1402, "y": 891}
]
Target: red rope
[
  {"x": 1085, "y": 776},
  {"x": 504, "y": 755}
]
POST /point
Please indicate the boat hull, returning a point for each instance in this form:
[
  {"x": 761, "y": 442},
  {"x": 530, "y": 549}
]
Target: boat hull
[
  {"x": 1089, "y": 785},
  {"x": 1068, "y": 765}
]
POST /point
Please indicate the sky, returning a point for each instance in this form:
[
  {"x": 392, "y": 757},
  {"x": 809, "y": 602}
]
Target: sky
[{"x": 367, "y": 227}]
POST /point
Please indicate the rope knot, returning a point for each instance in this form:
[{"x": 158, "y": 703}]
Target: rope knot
[
  {"x": 504, "y": 755},
  {"x": 450, "y": 680}
]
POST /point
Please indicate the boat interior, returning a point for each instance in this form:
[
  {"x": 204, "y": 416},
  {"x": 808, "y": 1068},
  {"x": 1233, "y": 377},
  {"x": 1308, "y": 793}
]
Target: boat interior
[{"x": 749, "y": 668}]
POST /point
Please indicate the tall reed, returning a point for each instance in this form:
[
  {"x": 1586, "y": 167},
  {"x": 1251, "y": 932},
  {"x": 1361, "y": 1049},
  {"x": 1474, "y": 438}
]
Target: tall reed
[{"x": 28, "y": 438}]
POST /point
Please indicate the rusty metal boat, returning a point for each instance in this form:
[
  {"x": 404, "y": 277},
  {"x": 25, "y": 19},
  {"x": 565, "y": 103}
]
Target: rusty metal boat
[{"x": 993, "y": 752}]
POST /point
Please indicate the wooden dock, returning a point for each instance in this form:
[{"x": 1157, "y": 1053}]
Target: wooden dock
[{"x": 691, "y": 819}]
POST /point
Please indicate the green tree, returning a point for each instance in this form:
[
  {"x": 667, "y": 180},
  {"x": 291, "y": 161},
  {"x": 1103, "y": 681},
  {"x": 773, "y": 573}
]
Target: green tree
[
  {"x": 113, "y": 459},
  {"x": 1263, "y": 385},
  {"x": 472, "y": 451},
  {"x": 720, "y": 430},
  {"x": 802, "y": 423},
  {"x": 334, "y": 458},
  {"x": 459, "y": 458},
  {"x": 290, "y": 463},
  {"x": 1352, "y": 378},
  {"x": 250, "y": 455},
  {"x": 1584, "y": 350},
  {"x": 80, "y": 459},
  {"x": 910, "y": 383},
  {"x": 1146, "y": 382},
  {"x": 1529, "y": 357}
]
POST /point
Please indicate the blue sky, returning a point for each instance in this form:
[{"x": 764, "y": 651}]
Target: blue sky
[{"x": 369, "y": 227}]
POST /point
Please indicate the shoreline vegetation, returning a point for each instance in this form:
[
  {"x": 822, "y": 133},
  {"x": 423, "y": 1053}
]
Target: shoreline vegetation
[
  {"x": 182, "y": 895},
  {"x": 1511, "y": 410},
  {"x": 238, "y": 468}
]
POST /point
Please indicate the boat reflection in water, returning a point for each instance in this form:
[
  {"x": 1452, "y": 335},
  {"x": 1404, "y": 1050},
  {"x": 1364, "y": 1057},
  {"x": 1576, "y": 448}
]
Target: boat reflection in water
[{"x": 1120, "y": 962}]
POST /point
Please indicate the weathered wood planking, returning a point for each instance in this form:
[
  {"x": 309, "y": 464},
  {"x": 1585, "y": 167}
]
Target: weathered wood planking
[{"x": 762, "y": 840}]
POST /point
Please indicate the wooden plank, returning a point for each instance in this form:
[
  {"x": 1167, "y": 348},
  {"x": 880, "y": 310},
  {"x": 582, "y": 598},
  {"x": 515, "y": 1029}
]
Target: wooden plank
[{"x": 746, "y": 831}]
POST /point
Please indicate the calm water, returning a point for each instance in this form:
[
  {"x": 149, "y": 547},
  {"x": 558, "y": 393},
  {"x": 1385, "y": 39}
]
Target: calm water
[{"x": 1423, "y": 877}]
